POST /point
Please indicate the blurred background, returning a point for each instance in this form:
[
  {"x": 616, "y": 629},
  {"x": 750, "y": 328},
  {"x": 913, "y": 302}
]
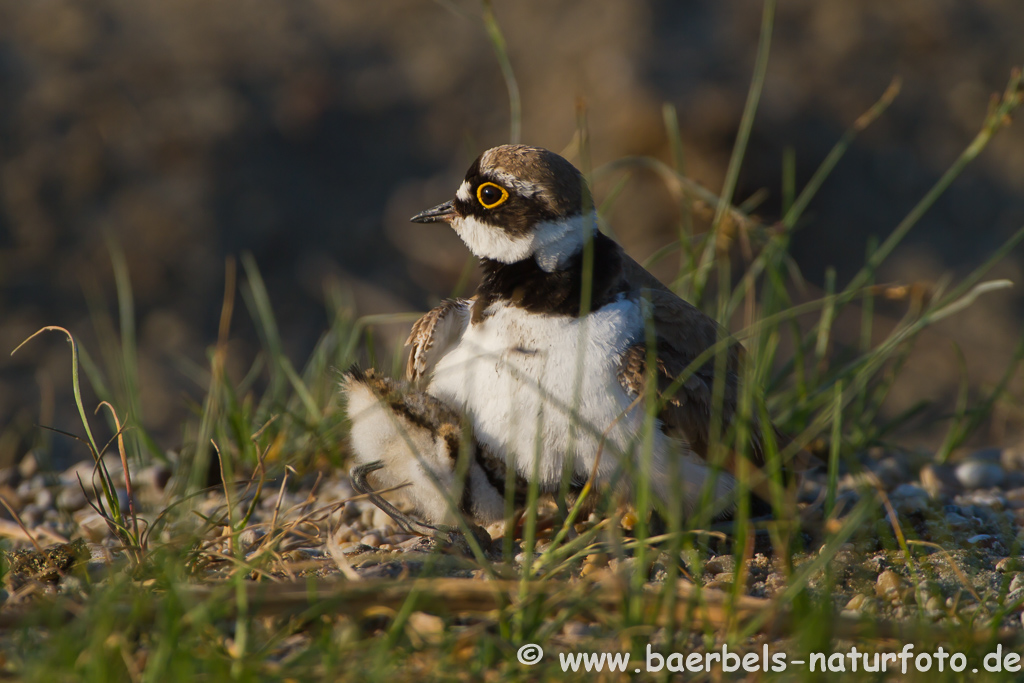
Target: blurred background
[{"x": 308, "y": 131}]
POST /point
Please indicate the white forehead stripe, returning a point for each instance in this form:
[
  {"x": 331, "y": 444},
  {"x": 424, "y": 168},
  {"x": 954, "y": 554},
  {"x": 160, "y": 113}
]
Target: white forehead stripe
[
  {"x": 523, "y": 188},
  {"x": 464, "y": 193}
]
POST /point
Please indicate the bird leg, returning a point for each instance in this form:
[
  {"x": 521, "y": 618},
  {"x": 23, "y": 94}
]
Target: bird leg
[{"x": 406, "y": 523}]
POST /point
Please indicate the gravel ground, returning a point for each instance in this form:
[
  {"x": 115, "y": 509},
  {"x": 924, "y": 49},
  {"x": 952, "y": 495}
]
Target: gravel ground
[{"x": 962, "y": 522}]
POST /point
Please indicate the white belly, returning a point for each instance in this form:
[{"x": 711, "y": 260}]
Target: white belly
[
  {"x": 542, "y": 389},
  {"x": 544, "y": 393}
]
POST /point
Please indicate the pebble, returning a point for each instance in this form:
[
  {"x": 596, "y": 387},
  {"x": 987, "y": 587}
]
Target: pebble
[
  {"x": 71, "y": 498},
  {"x": 987, "y": 501},
  {"x": 889, "y": 585},
  {"x": 24, "y": 492},
  {"x": 345, "y": 534},
  {"x": 29, "y": 466},
  {"x": 940, "y": 480},
  {"x": 1017, "y": 582},
  {"x": 31, "y": 515},
  {"x": 521, "y": 559},
  {"x": 890, "y": 471},
  {"x": 981, "y": 540},
  {"x": 1012, "y": 458},
  {"x": 1009, "y": 564},
  {"x": 856, "y": 602},
  {"x": 93, "y": 526},
  {"x": 957, "y": 521},
  {"x": 724, "y": 578},
  {"x": 154, "y": 477},
  {"x": 858, "y": 605},
  {"x": 44, "y": 498},
  {"x": 909, "y": 499},
  {"x": 1014, "y": 498},
  {"x": 594, "y": 562},
  {"x": 978, "y": 474},
  {"x": 249, "y": 536},
  {"x": 427, "y": 626},
  {"x": 720, "y": 564}
]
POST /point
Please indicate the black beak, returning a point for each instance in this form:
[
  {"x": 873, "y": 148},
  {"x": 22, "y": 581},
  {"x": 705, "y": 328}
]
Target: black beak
[{"x": 442, "y": 212}]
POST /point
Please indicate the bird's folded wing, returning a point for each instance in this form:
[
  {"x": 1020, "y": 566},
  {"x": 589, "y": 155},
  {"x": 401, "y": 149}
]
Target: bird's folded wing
[
  {"x": 683, "y": 334},
  {"x": 434, "y": 334}
]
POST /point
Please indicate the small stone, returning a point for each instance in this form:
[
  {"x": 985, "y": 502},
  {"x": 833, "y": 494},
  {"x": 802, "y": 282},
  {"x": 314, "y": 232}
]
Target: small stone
[
  {"x": 351, "y": 549},
  {"x": 629, "y": 520},
  {"x": 345, "y": 534},
  {"x": 93, "y": 526},
  {"x": 31, "y": 515},
  {"x": 29, "y": 466},
  {"x": 856, "y": 603},
  {"x": 934, "y": 604},
  {"x": 721, "y": 582},
  {"x": 44, "y": 499},
  {"x": 1012, "y": 458},
  {"x": 977, "y": 474},
  {"x": 957, "y": 521},
  {"x": 1014, "y": 498},
  {"x": 71, "y": 498},
  {"x": 909, "y": 499},
  {"x": 372, "y": 540},
  {"x": 940, "y": 480},
  {"x": 249, "y": 537},
  {"x": 981, "y": 540},
  {"x": 890, "y": 471},
  {"x": 24, "y": 493},
  {"x": 593, "y": 563},
  {"x": 989, "y": 500},
  {"x": 81, "y": 470},
  {"x": 889, "y": 585},
  {"x": 1009, "y": 564},
  {"x": 720, "y": 564},
  {"x": 427, "y": 627},
  {"x": 155, "y": 477},
  {"x": 1016, "y": 583}
]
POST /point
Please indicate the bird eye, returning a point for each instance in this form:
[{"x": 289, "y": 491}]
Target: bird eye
[{"x": 491, "y": 195}]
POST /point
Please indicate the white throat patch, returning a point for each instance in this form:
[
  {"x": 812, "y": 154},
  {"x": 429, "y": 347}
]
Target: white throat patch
[{"x": 551, "y": 244}]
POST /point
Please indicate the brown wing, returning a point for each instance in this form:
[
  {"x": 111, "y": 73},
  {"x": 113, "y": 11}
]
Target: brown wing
[
  {"x": 434, "y": 334},
  {"x": 683, "y": 333}
]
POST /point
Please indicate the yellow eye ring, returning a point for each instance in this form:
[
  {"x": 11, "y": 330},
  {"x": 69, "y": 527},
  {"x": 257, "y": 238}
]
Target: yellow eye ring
[{"x": 494, "y": 202}]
